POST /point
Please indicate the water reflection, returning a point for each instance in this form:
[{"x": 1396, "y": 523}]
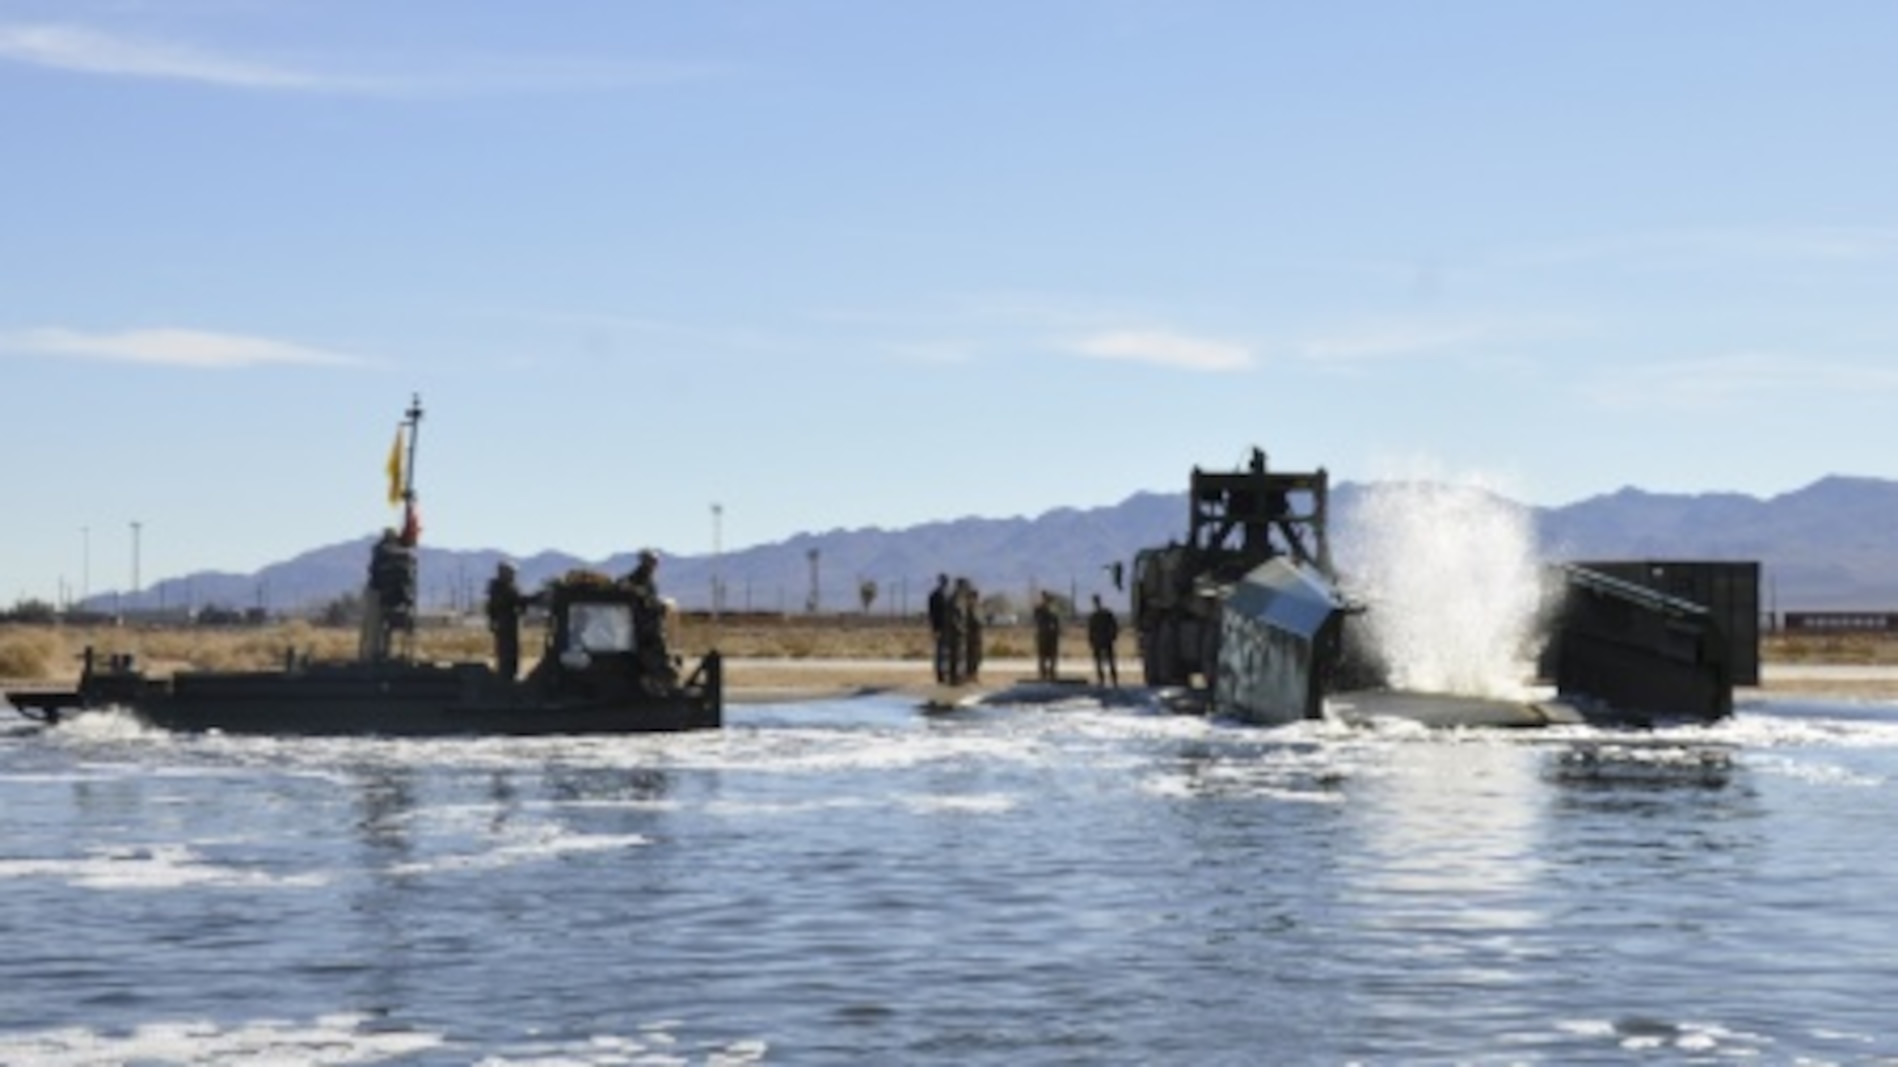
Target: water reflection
[
  {"x": 385, "y": 801},
  {"x": 505, "y": 798},
  {"x": 1287, "y": 770},
  {"x": 1621, "y": 788},
  {"x": 1459, "y": 822},
  {"x": 1623, "y": 765},
  {"x": 588, "y": 784},
  {"x": 1690, "y": 812}
]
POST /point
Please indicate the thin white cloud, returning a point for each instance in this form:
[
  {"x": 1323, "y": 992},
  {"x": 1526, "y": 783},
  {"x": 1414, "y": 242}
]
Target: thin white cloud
[
  {"x": 86, "y": 51},
  {"x": 196, "y": 349},
  {"x": 83, "y": 50},
  {"x": 1734, "y": 379},
  {"x": 1166, "y": 350},
  {"x": 483, "y": 75}
]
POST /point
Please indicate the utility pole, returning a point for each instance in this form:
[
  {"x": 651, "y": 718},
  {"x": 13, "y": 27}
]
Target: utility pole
[
  {"x": 136, "y": 527},
  {"x": 812, "y": 603},
  {"x": 718, "y": 581},
  {"x": 85, "y": 564}
]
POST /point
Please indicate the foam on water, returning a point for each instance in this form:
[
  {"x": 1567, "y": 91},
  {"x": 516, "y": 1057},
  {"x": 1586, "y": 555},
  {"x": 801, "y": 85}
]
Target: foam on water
[
  {"x": 540, "y": 845},
  {"x": 1647, "y": 1035},
  {"x": 748, "y": 809},
  {"x": 106, "y": 725},
  {"x": 983, "y": 804},
  {"x": 334, "y": 1039},
  {"x": 151, "y": 867},
  {"x": 351, "y": 1039},
  {"x": 1449, "y": 572}
]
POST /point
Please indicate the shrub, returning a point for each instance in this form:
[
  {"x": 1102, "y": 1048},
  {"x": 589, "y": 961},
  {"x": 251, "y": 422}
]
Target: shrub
[{"x": 29, "y": 653}]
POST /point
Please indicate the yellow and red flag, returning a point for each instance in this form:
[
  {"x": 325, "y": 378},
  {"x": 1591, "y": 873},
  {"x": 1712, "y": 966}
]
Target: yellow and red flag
[{"x": 395, "y": 469}]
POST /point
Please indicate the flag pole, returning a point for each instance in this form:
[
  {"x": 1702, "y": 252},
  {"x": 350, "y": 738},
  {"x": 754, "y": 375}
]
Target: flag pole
[{"x": 413, "y": 418}]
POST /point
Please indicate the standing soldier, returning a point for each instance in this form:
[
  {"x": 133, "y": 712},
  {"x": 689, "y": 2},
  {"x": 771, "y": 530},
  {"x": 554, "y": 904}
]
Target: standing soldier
[
  {"x": 505, "y": 604},
  {"x": 644, "y": 579},
  {"x": 389, "y": 606},
  {"x": 955, "y": 631},
  {"x": 1047, "y": 637},
  {"x": 649, "y": 622},
  {"x": 938, "y": 619},
  {"x": 1102, "y": 631},
  {"x": 972, "y": 632}
]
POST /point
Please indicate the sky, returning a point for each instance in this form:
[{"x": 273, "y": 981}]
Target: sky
[{"x": 674, "y": 274}]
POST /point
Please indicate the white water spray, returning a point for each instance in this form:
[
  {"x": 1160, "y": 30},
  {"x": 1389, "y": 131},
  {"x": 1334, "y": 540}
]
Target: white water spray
[{"x": 1450, "y": 576}]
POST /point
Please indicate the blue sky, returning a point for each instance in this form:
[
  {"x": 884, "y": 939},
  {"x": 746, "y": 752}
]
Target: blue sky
[{"x": 842, "y": 264}]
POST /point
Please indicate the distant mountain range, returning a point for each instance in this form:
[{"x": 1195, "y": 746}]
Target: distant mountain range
[{"x": 1828, "y": 546}]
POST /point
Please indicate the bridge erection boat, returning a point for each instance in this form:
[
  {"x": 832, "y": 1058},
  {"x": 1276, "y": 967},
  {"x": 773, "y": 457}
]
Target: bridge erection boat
[
  {"x": 604, "y": 670},
  {"x": 593, "y": 679}
]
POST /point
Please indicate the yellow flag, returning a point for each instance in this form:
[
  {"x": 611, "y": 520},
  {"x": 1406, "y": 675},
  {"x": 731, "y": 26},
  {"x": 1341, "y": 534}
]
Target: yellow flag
[{"x": 395, "y": 468}]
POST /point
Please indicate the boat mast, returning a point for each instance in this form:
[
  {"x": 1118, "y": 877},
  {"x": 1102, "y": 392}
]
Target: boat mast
[
  {"x": 414, "y": 418},
  {"x": 411, "y": 531}
]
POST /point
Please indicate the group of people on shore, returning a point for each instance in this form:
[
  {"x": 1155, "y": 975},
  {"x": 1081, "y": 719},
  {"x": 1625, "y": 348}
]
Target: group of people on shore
[{"x": 955, "y": 620}]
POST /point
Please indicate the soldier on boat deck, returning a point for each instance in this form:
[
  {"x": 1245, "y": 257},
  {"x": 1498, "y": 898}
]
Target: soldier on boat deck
[
  {"x": 389, "y": 604},
  {"x": 649, "y": 621},
  {"x": 644, "y": 579},
  {"x": 506, "y": 604}
]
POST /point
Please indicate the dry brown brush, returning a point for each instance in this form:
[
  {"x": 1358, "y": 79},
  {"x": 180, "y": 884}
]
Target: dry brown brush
[
  {"x": 47, "y": 653},
  {"x": 53, "y": 653}
]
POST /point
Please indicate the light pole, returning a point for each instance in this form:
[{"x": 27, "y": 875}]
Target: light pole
[
  {"x": 811, "y": 604},
  {"x": 718, "y": 581},
  {"x": 136, "y": 526}
]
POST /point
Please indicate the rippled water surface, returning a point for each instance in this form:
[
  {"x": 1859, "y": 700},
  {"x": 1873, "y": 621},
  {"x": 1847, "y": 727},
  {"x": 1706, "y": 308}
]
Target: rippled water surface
[{"x": 857, "y": 882}]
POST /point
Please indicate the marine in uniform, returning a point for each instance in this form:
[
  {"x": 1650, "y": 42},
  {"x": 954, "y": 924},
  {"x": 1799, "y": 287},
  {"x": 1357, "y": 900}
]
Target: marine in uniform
[{"x": 505, "y": 605}]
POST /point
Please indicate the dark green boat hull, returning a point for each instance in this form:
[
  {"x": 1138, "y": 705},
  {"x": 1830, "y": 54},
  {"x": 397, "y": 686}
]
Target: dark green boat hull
[{"x": 395, "y": 699}]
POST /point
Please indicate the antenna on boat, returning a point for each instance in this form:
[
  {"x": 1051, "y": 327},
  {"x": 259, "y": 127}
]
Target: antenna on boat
[{"x": 411, "y": 523}]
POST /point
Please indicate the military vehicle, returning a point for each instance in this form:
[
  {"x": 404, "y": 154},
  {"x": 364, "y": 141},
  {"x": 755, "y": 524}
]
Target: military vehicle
[{"x": 1249, "y": 614}]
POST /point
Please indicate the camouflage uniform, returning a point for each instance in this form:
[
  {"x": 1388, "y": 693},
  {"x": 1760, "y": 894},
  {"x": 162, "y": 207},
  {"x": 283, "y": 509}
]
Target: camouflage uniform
[
  {"x": 505, "y": 604},
  {"x": 938, "y": 621},
  {"x": 392, "y": 590},
  {"x": 649, "y": 624},
  {"x": 971, "y": 633},
  {"x": 1102, "y": 631},
  {"x": 1047, "y": 638},
  {"x": 955, "y": 632}
]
